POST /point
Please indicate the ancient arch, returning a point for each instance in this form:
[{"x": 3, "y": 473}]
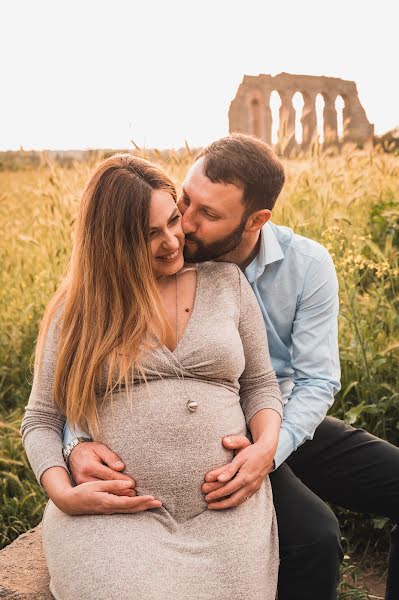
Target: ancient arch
[{"x": 250, "y": 110}]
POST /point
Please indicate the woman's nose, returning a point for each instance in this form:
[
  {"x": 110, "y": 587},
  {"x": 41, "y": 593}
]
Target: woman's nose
[{"x": 171, "y": 242}]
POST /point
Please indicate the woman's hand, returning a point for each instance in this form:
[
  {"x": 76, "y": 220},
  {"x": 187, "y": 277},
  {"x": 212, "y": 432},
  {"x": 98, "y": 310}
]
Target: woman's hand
[
  {"x": 93, "y": 497},
  {"x": 242, "y": 477},
  {"x": 101, "y": 498}
]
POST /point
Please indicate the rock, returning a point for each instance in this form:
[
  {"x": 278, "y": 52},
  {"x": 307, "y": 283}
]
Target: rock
[{"x": 23, "y": 569}]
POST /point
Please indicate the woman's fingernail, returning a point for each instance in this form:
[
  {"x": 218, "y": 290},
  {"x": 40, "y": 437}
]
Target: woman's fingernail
[
  {"x": 118, "y": 464},
  {"x": 222, "y": 477},
  {"x": 228, "y": 440}
]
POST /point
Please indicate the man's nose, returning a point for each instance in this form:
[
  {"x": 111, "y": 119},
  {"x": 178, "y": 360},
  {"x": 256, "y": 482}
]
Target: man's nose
[{"x": 187, "y": 222}]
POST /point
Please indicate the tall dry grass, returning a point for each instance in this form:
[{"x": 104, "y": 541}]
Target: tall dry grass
[{"x": 349, "y": 202}]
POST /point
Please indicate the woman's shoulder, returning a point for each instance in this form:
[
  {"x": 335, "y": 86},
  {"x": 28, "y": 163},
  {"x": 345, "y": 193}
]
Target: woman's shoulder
[
  {"x": 220, "y": 275},
  {"x": 219, "y": 269},
  {"x": 51, "y": 324}
]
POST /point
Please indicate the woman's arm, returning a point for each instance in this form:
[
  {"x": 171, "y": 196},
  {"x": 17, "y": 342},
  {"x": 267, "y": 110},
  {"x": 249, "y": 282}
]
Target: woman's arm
[
  {"x": 96, "y": 497},
  {"x": 42, "y": 424},
  {"x": 265, "y": 430},
  {"x": 42, "y": 436}
]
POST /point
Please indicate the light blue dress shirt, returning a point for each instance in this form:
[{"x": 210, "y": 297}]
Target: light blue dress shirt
[{"x": 295, "y": 283}]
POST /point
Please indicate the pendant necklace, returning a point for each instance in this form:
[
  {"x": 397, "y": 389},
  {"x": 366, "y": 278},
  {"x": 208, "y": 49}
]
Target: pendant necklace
[{"x": 192, "y": 405}]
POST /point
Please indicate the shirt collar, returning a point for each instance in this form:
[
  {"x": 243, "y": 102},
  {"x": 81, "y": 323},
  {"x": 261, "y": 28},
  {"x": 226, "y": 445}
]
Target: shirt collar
[{"x": 269, "y": 252}]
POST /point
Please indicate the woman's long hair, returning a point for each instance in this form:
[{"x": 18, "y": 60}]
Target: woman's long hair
[{"x": 109, "y": 297}]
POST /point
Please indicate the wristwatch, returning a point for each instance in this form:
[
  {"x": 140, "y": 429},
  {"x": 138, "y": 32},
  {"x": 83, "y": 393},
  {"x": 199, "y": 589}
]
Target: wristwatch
[{"x": 67, "y": 448}]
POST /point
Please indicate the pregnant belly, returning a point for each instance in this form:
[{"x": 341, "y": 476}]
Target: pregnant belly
[{"x": 165, "y": 447}]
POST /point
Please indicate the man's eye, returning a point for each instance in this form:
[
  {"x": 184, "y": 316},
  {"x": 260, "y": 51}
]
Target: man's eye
[
  {"x": 208, "y": 216},
  {"x": 186, "y": 200}
]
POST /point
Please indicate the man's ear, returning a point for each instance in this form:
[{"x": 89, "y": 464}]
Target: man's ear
[{"x": 257, "y": 220}]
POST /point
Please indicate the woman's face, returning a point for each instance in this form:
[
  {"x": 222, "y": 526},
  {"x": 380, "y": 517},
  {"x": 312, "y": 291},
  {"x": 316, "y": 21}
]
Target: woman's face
[{"x": 166, "y": 235}]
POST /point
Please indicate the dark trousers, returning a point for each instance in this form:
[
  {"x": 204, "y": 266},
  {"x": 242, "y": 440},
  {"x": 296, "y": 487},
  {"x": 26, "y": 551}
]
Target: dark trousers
[{"x": 345, "y": 466}]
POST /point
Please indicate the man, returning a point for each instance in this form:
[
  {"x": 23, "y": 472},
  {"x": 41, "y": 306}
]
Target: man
[{"x": 226, "y": 204}]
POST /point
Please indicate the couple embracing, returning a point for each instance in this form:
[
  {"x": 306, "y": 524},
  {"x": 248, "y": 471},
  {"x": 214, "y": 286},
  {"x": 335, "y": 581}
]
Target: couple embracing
[{"x": 177, "y": 419}]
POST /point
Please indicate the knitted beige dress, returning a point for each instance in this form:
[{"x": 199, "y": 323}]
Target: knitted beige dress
[{"x": 181, "y": 551}]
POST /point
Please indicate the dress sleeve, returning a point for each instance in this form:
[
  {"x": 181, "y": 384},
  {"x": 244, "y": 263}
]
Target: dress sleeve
[
  {"x": 42, "y": 424},
  {"x": 258, "y": 383}
]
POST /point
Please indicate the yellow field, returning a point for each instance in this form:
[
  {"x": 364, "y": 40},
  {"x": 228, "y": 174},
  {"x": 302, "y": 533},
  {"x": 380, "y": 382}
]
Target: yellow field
[{"x": 348, "y": 202}]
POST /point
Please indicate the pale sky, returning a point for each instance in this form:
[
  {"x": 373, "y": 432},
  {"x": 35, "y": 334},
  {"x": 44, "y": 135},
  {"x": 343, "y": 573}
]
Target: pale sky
[{"x": 96, "y": 73}]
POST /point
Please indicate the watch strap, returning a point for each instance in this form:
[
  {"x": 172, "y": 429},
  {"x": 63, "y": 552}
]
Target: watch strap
[{"x": 67, "y": 448}]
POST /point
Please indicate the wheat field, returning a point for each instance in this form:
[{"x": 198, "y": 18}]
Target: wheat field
[{"x": 349, "y": 201}]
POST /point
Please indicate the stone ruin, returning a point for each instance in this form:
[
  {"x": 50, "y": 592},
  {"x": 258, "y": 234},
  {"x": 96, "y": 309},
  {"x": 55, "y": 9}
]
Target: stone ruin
[{"x": 250, "y": 110}]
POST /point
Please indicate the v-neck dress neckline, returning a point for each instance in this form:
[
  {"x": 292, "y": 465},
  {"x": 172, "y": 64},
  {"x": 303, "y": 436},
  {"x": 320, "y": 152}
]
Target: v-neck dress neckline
[{"x": 175, "y": 352}]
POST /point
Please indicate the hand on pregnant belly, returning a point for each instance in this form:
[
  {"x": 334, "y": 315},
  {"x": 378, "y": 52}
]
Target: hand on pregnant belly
[
  {"x": 233, "y": 483},
  {"x": 102, "y": 497}
]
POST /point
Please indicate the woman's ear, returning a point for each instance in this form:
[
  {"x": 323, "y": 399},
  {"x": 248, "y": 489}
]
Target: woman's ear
[{"x": 257, "y": 220}]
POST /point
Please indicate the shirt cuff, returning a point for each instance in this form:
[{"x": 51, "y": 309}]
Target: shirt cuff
[
  {"x": 70, "y": 434},
  {"x": 285, "y": 447}
]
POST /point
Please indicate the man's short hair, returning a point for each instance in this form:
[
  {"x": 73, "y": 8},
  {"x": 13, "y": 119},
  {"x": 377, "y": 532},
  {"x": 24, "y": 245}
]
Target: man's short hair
[{"x": 248, "y": 163}]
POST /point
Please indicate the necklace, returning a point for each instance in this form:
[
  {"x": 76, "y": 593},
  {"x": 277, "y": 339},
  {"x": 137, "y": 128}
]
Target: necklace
[{"x": 192, "y": 405}]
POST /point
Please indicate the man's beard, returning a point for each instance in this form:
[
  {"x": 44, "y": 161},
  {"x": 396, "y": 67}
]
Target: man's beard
[{"x": 204, "y": 252}]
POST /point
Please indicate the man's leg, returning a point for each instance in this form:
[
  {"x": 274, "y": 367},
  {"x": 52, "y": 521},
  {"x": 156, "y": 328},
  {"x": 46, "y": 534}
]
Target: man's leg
[
  {"x": 356, "y": 470},
  {"x": 310, "y": 550}
]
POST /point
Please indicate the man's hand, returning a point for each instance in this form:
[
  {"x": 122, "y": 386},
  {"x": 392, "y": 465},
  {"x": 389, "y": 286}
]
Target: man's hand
[
  {"x": 242, "y": 477},
  {"x": 92, "y": 461},
  {"x": 103, "y": 498}
]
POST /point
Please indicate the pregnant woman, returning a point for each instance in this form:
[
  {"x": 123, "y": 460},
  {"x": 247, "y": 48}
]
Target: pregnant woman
[{"x": 159, "y": 362}]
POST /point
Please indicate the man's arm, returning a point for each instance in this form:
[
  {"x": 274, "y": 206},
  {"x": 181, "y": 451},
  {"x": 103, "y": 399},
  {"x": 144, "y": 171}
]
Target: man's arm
[{"x": 315, "y": 358}]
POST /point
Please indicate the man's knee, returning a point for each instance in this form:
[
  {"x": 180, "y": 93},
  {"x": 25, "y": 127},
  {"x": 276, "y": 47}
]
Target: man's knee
[
  {"x": 329, "y": 542},
  {"x": 312, "y": 570},
  {"x": 320, "y": 540},
  {"x": 326, "y": 538}
]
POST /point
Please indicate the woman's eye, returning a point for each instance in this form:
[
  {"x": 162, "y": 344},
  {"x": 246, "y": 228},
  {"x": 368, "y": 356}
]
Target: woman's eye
[{"x": 175, "y": 219}]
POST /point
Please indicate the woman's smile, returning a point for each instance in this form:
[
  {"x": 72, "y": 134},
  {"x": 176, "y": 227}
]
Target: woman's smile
[{"x": 171, "y": 256}]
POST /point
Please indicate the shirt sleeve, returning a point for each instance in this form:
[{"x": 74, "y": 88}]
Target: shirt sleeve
[
  {"x": 315, "y": 358},
  {"x": 70, "y": 433},
  {"x": 42, "y": 424},
  {"x": 259, "y": 387}
]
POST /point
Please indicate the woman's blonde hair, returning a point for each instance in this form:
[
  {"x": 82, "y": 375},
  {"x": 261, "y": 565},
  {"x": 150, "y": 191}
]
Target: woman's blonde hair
[{"x": 109, "y": 297}]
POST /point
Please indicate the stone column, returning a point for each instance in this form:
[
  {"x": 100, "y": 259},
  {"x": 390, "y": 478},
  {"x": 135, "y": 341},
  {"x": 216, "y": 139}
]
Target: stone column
[
  {"x": 308, "y": 120},
  {"x": 287, "y": 117},
  {"x": 267, "y": 117},
  {"x": 238, "y": 114},
  {"x": 356, "y": 125},
  {"x": 255, "y": 117},
  {"x": 347, "y": 118},
  {"x": 330, "y": 119}
]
